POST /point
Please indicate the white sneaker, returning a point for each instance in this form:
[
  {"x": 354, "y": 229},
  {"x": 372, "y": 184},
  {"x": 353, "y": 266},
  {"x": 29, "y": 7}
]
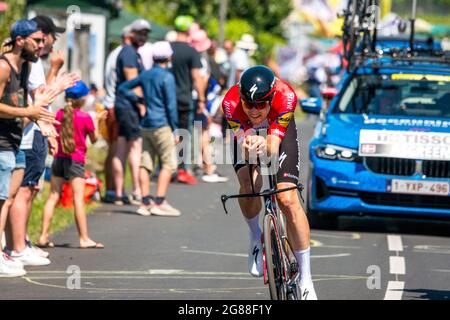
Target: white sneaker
[
  {"x": 38, "y": 251},
  {"x": 144, "y": 210},
  {"x": 30, "y": 258},
  {"x": 213, "y": 178},
  {"x": 255, "y": 258},
  {"x": 165, "y": 209},
  {"x": 6, "y": 260},
  {"x": 7, "y": 272},
  {"x": 308, "y": 293},
  {"x": 135, "y": 200}
]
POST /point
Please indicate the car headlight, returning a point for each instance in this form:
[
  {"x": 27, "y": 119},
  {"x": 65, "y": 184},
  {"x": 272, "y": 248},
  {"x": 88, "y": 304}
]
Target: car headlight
[{"x": 332, "y": 152}]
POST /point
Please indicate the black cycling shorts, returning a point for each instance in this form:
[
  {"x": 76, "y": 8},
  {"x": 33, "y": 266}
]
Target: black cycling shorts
[{"x": 288, "y": 159}]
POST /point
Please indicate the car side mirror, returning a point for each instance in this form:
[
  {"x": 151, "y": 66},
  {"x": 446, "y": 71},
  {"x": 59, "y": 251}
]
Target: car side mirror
[{"x": 311, "y": 105}]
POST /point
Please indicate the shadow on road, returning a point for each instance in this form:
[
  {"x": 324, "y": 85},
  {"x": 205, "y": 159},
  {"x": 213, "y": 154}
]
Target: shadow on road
[
  {"x": 384, "y": 224},
  {"x": 428, "y": 294}
]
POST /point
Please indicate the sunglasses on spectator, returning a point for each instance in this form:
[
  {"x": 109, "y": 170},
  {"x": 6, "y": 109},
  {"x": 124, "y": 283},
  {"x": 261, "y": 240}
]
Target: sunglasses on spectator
[{"x": 37, "y": 40}]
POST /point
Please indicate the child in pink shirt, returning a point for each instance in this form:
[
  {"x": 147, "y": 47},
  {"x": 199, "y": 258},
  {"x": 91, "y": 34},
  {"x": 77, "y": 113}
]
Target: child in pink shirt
[{"x": 68, "y": 164}]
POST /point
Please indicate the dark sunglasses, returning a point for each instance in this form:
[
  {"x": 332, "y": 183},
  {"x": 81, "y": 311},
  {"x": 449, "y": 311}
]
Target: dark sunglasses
[
  {"x": 256, "y": 105},
  {"x": 37, "y": 40}
]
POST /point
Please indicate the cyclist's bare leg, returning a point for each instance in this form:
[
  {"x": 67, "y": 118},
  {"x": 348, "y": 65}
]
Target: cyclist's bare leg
[
  {"x": 298, "y": 233},
  {"x": 250, "y": 207},
  {"x": 297, "y": 222}
]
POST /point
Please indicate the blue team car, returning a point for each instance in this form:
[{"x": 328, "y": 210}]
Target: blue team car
[{"x": 382, "y": 146}]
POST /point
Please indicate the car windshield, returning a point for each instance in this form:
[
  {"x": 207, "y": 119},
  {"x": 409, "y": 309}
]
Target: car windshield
[{"x": 414, "y": 95}]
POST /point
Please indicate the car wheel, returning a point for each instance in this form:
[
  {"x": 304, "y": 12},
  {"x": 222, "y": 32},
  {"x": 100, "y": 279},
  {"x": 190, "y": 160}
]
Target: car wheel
[
  {"x": 318, "y": 219},
  {"x": 321, "y": 220}
]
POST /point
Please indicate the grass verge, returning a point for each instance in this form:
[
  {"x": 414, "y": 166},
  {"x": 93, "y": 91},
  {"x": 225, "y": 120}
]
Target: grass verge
[{"x": 62, "y": 218}]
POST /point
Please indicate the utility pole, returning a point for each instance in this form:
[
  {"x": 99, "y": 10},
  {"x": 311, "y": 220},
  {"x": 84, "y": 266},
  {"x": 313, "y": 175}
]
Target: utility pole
[{"x": 223, "y": 6}]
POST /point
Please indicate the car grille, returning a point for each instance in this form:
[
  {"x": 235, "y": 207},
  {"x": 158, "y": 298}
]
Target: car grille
[
  {"x": 404, "y": 200},
  {"x": 407, "y": 167},
  {"x": 392, "y": 166},
  {"x": 436, "y": 169}
]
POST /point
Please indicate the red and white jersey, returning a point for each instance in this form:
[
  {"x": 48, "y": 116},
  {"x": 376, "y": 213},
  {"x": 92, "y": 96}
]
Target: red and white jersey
[{"x": 281, "y": 111}]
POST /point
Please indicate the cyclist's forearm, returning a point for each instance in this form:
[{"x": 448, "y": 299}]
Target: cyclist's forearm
[{"x": 273, "y": 145}]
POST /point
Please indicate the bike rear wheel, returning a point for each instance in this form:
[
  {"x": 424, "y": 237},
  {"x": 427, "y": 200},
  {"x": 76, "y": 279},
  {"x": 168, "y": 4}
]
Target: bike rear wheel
[{"x": 274, "y": 260}]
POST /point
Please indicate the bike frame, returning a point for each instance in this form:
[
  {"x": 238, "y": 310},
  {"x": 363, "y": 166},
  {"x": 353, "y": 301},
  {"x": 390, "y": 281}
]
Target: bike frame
[{"x": 287, "y": 260}]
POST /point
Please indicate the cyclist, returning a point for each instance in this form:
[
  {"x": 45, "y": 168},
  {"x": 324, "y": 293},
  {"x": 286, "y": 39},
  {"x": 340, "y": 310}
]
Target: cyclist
[{"x": 260, "y": 101}]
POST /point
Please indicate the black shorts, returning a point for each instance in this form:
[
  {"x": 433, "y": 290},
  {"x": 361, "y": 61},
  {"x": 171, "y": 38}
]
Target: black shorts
[
  {"x": 35, "y": 160},
  {"x": 186, "y": 119},
  {"x": 203, "y": 118},
  {"x": 67, "y": 168},
  {"x": 128, "y": 121},
  {"x": 288, "y": 159}
]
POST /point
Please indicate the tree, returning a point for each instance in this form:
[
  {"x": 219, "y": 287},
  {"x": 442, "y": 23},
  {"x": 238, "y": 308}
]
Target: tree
[
  {"x": 262, "y": 19},
  {"x": 15, "y": 11}
]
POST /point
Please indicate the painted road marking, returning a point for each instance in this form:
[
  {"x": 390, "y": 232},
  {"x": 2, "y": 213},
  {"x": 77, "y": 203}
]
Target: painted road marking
[
  {"x": 432, "y": 249},
  {"x": 440, "y": 270},
  {"x": 395, "y": 243},
  {"x": 394, "y": 290},
  {"x": 353, "y": 236},
  {"x": 396, "y": 265},
  {"x": 244, "y": 255},
  {"x": 32, "y": 278}
]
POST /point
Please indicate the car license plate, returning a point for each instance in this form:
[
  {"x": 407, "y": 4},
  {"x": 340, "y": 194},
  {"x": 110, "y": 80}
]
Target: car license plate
[{"x": 419, "y": 187}]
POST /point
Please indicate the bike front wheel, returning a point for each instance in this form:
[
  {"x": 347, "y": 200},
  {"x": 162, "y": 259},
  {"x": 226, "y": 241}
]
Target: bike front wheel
[{"x": 274, "y": 260}]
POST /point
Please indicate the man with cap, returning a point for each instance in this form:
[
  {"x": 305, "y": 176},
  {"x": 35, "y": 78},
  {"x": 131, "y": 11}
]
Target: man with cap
[
  {"x": 158, "y": 125},
  {"x": 34, "y": 144},
  {"x": 24, "y": 45},
  {"x": 239, "y": 60},
  {"x": 186, "y": 66},
  {"x": 111, "y": 121},
  {"x": 129, "y": 143}
]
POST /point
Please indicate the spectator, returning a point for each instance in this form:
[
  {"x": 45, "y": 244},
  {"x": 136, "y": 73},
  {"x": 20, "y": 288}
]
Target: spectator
[
  {"x": 129, "y": 143},
  {"x": 68, "y": 164},
  {"x": 146, "y": 53},
  {"x": 91, "y": 99},
  {"x": 112, "y": 125},
  {"x": 239, "y": 60},
  {"x": 24, "y": 46},
  {"x": 158, "y": 85},
  {"x": 34, "y": 144},
  {"x": 224, "y": 59},
  {"x": 186, "y": 67},
  {"x": 215, "y": 68},
  {"x": 201, "y": 43}
]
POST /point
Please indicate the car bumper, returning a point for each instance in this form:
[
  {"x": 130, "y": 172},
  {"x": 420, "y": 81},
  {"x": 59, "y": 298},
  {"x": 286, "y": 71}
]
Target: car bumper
[{"x": 339, "y": 186}]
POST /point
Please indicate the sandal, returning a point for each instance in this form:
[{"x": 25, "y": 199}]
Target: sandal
[
  {"x": 48, "y": 244},
  {"x": 94, "y": 246}
]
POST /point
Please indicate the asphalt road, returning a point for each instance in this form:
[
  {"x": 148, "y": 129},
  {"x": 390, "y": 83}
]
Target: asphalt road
[{"x": 202, "y": 255}]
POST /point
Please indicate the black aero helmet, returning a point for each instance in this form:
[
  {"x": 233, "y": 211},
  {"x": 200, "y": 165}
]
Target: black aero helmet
[{"x": 257, "y": 84}]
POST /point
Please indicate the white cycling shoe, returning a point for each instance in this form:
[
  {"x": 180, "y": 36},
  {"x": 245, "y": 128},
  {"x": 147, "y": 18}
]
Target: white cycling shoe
[
  {"x": 308, "y": 293},
  {"x": 255, "y": 259}
]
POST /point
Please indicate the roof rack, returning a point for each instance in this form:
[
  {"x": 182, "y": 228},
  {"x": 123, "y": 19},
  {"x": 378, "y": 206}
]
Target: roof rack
[{"x": 360, "y": 38}]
